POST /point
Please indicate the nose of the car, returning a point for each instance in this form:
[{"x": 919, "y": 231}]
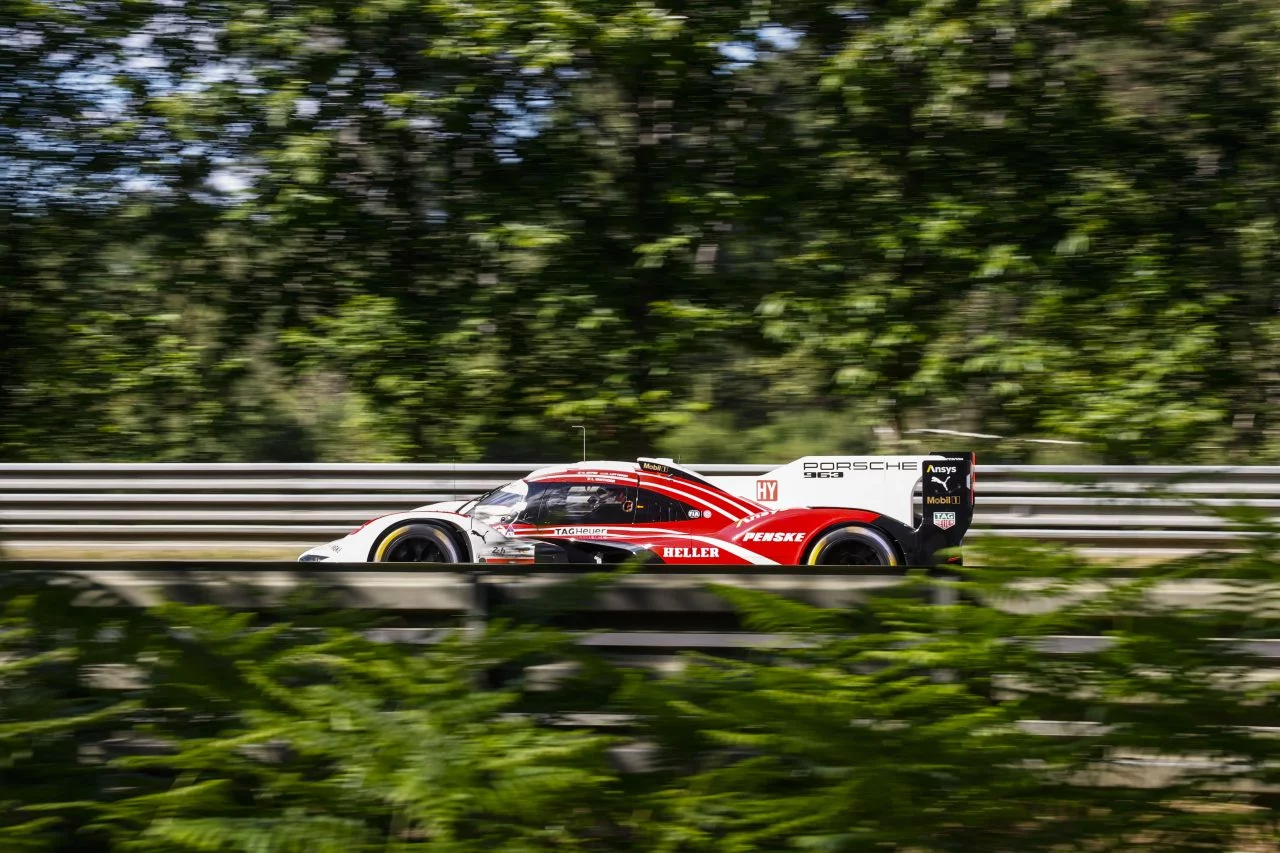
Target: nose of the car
[{"x": 320, "y": 552}]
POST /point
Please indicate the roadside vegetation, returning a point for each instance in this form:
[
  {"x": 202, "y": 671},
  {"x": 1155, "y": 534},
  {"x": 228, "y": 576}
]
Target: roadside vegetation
[{"x": 900, "y": 725}]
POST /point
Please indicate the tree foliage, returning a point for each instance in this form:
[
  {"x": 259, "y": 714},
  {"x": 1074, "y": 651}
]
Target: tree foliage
[
  {"x": 448, "y": 230},
  {"x": 196, "y": 729}
]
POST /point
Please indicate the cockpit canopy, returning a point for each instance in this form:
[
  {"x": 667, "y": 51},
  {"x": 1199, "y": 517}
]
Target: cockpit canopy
[{"x": 564, "y": 502}]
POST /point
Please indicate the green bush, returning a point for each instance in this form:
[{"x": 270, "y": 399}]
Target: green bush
[{"x": 899, "y": 725}]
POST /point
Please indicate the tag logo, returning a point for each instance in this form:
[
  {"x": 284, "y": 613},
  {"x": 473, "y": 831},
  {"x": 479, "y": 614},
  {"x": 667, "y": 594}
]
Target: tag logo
[
  {"x": 944, "y": 520},
  {"x": 766, "y": 490},
  {"x": 580, "y": 531}
]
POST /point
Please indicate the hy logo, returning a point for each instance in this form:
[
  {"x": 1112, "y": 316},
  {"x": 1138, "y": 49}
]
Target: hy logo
[{"x": 766, "y": 490}]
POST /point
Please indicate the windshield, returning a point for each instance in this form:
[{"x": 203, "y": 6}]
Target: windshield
[{"x": 503, "y": 501}]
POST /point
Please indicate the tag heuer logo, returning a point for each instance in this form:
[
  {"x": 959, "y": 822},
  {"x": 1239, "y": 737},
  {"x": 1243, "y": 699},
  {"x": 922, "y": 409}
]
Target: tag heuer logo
[{"x": 944, "y": 520}]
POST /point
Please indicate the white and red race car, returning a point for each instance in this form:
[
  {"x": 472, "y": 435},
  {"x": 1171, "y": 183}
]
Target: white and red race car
[{"x": 818, "y": 510}]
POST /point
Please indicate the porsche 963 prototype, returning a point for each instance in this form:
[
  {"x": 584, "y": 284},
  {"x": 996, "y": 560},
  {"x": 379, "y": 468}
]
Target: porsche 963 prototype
[{"x": 817, "y": 510}]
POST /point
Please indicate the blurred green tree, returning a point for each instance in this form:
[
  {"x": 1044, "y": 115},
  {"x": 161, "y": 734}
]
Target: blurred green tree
[{"x": 387, "y": 231}]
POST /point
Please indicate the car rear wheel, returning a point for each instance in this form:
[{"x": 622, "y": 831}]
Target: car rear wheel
[
  {"x": 417, "y": 543},
  {"x": 852, "y": 546}
]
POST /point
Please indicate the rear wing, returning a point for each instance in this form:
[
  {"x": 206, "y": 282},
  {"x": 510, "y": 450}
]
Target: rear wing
[{"x": 883, "y": 484}]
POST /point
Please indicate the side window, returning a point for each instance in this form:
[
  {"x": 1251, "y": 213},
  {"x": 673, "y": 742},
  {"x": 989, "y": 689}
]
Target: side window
[
  {"x": 532, "y": 505},
  {"x": 655, "y": 508},
  {"x": 581, "y": 503}
]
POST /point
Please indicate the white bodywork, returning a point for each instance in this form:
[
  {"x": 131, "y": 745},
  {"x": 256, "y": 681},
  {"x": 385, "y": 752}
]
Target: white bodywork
[
  {"x": 883, "y": 484},
  {"x": 357, "y": 546}
]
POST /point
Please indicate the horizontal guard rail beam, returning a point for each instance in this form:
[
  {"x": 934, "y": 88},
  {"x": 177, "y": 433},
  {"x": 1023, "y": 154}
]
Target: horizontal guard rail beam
[
  {"x": 427, "y": 587},
  {"x": 277, "y": 510}
]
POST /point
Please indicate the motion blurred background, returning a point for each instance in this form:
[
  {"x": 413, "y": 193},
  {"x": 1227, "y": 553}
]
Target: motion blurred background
[
  {"x": 280, "y": 230},
  {"x": 729, "y": 231}
]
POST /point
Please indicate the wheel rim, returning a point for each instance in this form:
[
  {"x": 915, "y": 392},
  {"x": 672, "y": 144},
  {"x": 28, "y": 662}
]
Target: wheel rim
[
  {"x": 850, "y": 552},
  {"x": 415, "y": 549}
]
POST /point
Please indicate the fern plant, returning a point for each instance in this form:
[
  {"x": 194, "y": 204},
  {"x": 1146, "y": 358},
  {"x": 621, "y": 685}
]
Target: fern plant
[
  {"x": 326, "y": 740},
  {"x": 232, "y": 733},
  {"x": 899, "y": 725},
  {"x": 56, "y": 708},
  {"x": 908, "y": 726}
]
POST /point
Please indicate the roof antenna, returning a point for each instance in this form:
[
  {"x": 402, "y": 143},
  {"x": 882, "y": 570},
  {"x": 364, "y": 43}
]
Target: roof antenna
[{"x": 584, "y": 440}]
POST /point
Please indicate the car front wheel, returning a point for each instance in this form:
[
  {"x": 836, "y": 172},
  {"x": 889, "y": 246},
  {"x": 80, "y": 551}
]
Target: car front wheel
[{"x": 417, "y": 543}]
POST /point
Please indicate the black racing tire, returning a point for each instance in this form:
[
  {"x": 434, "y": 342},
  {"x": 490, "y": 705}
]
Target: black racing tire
[
  {"x": 416, "y": 543},
  {"x": 852, "y": 545}
]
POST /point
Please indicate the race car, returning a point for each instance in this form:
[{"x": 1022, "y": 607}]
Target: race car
[{"x": 817, "y": 510}]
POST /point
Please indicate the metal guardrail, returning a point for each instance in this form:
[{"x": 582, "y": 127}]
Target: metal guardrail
[
  {"x": 231, "y": 509},
  {"x": 652, "y": 601},
  {"x": 428, "y": 590}
]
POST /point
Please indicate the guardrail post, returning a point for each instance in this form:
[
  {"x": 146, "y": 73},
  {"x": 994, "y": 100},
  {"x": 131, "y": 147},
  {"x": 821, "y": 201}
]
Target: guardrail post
[
  {"x": 478, "y": 610},
  {"x": 943, "y": 594}
]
